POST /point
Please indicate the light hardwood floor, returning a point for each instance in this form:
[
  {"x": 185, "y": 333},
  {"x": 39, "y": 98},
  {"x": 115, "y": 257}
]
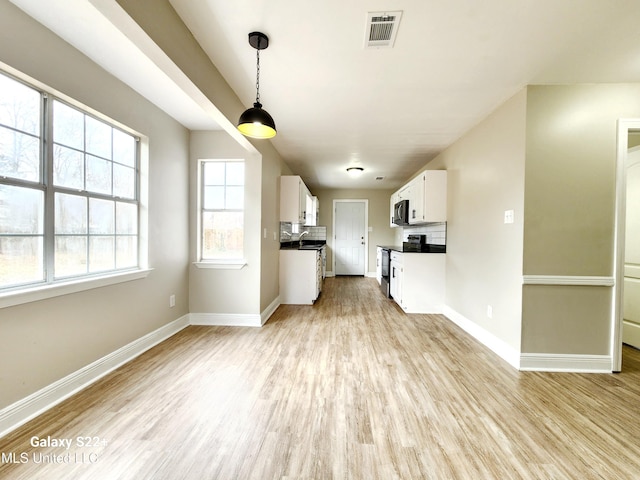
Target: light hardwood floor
[{"x": 350, "y": 388}]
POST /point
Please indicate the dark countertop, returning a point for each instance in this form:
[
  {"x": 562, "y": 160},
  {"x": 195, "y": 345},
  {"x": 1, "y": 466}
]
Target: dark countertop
[
  {"x": 397, "y": 248},
  {"x": 426, "y": 248},
  {"x": 310, "y": 245}
]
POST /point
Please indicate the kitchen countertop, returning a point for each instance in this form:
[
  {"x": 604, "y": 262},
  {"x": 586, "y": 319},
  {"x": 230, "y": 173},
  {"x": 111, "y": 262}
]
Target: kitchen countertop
[
  {"x": 426, "y": 248},
  {"x": 305, "y": 245}
]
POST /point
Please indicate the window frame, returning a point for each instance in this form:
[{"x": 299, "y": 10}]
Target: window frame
[
  {"x": 50, "y": 286},
  {"x": 217, "y": 263}
]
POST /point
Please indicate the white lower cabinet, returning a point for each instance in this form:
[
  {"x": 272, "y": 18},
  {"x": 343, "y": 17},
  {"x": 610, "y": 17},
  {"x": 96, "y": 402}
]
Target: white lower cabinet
[
  {"x": 418, "y": 281},
  {"x": 300, "y": 276}
]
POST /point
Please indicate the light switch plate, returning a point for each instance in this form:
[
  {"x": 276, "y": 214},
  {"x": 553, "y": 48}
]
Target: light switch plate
[{"x": 508, "y": 216}]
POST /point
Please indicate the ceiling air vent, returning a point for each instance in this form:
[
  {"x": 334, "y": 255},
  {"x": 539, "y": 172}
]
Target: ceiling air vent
[{"x": 382, "y": 28}]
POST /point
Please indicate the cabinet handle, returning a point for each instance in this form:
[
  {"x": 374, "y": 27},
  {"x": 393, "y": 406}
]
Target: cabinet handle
[{"x": 394, "y": 272}]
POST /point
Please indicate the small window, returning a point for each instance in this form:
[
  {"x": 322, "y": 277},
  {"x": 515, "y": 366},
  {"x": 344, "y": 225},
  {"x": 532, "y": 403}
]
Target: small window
[{"x": 222, "y": 210}]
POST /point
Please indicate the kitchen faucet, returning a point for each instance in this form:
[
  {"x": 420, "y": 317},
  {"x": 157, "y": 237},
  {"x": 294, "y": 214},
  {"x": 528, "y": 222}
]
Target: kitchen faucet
[{"x": 301, "y": 235}]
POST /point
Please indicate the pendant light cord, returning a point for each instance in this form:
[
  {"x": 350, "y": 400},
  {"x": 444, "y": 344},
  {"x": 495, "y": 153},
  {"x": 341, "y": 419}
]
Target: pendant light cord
[{"x": 258, "y": 73}]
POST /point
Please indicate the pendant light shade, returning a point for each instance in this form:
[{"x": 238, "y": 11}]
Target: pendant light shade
[{"x": 256, "y": 122}]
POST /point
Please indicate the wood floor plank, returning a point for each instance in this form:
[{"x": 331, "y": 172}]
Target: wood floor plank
[{"x": 348, "y": 388}]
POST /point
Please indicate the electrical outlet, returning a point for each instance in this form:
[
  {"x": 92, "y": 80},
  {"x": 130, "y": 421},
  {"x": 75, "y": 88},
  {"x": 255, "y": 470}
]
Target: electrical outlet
[
  {"x": 489, "y": 311},
  {"x": 172, "y": 301}
]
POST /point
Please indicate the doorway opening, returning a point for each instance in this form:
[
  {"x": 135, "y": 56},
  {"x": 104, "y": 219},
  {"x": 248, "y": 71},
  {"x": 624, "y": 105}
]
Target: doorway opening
[{"x": 626, "y": 293}]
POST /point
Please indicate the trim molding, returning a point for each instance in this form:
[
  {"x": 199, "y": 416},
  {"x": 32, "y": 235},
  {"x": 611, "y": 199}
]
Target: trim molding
[
  {"x": 533, "y": 362},
  {"x": 270, "y": 310},
  {"x": 488, "y": 339},
  {"x": 571, "y": 280},
  {"x": 22, "y": 411},
  {"x": 555, "y": 362},
  {"x": 226, "y": 319}
]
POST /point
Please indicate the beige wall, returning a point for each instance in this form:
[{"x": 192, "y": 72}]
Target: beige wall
[
  {"x": 41, "y": 342},
  {"x": 380, "y": 234},
  {"x": 165, "y": 27},
  {"x": 570, "y": 212},
  {"x": 484, "y": 255},
  {"x": 217, "y": 290}
]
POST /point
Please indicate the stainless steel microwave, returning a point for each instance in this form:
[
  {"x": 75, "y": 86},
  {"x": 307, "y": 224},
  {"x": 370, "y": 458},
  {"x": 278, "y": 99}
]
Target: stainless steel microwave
[{"x": 401, "y": 212}]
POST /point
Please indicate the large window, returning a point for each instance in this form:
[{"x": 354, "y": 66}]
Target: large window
[
  {"x": 222, "y": 210},
  {"x": 69, "y": 200}
]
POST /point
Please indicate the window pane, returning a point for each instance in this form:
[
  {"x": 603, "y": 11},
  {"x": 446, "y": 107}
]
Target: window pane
[
  {"x": 68, "y": 168},
  {"x": 222, "y": 235},
  {"x": 71, "y": 214},
  {"x": 101, "y": 253},
  {"x": 21, "y": 210},
  {"x": 19, "y": 155},
  {"x": 124, "y": 181},
  {"x": 235, "y": 173},
  {"x": 70, "y": 256},
  {"x": 214, "y": 173},
  {"x": 98, "y": 175},
  {"x": 213, "y": 198},
  {"x": 21, "y": 260},
  {"x": 97, "y": 137},
  {"x": 101, "y": 216},
  {"x": 126, "y": 252},
  {"x": 124, "y": 148},
  {"x": 235, "y": 198},
  {"x": 68, "y": 126},
  {"x": 126, "y": 218},
  {"x": 19, "y": 106}
]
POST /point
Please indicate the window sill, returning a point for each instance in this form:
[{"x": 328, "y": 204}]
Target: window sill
[
  {"x": 235, "y": 264},
  {"x": 42, "y": 292}
]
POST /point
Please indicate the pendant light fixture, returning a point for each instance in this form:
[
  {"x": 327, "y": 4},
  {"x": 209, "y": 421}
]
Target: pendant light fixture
[{"x": 256, "y": 122}]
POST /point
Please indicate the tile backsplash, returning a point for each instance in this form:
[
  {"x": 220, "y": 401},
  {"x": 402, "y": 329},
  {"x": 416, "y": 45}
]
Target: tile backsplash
[
  {"x": 290, "y": 232},
  {"x": 436, "y": 232}
]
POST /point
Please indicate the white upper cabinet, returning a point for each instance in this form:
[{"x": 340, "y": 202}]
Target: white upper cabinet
[
  {"x": 428, "y": 200},
  {"x": 296, "y": 202}
]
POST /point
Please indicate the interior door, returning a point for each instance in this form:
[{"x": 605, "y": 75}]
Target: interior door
[
  {"x": 631, "y": 306},
  {"x": 349, "y": 240}
]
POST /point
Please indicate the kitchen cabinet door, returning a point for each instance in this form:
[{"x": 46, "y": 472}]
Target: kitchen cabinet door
[
  {"x": 294, "y": 196},
  {"x": 300, "y": 276}
]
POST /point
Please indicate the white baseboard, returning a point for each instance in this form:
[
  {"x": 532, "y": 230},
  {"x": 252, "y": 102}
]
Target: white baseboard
[
  {"x": 551, "y": 362},
  {"x": 631, "y": 333},
  {"x": 226, "y": 319},
  {"x": 266, "y": 314},
  {"x": 534, "y": 362},
  {"x": 488, "y": 339},
  {"x": 22, "y": 411}
]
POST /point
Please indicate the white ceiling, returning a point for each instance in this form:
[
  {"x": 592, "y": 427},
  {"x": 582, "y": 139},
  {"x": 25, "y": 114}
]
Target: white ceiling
[{"x": 390, "y": 111}]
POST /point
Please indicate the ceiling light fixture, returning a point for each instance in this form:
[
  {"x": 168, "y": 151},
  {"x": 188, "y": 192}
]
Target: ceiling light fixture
[
  {"x": 355, "y": 171},
  {"x": 256, "y": 122}
]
